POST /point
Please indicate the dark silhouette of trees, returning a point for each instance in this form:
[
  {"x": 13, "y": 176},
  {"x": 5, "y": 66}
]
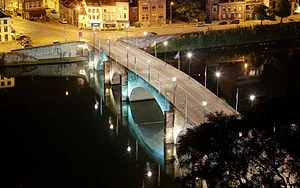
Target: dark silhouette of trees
[
  {"x": 283, "y": 9},
  {"x": 260, "y": 12},
  {"x": 258, "y": 149}
]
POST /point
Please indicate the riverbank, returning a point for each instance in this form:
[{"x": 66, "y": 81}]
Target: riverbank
[{"x": 232, "y": 37}]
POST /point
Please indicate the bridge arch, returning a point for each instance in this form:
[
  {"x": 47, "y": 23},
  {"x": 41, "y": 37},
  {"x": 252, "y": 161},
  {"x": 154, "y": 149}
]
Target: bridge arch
[{"x": 136, "y": 91}]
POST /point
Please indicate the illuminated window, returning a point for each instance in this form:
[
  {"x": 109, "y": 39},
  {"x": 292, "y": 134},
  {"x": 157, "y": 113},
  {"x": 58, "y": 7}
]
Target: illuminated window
[
  {"x": 234, "y": 8},
  {"x": 89, "y": 10},
  {"x": 5, "y": 28},
  {"x": 145, "y": 7},
  {"x": 125, "y": 7},
  {"x": 240, "y": 7},
  {"x": 160, "y": 6},
  {"x": 228, "y": 8}
]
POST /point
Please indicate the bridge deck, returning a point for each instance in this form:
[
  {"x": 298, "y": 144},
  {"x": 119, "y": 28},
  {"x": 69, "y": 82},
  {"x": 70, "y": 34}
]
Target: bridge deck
[{"x": 189, "y": 93}]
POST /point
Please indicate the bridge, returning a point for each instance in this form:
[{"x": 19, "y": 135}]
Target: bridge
[{"x": 141, "y": 77}]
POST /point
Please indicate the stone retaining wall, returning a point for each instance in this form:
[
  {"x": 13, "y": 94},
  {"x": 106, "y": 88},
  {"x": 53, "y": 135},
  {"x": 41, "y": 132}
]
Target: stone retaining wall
[{"x": 59, "y": 50}]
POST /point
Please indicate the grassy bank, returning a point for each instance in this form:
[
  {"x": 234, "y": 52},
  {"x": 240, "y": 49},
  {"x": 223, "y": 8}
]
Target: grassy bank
[{"x": 233, "y": 37}]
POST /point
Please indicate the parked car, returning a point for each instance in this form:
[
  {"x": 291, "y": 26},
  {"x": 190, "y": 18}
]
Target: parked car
[
  {"x": 235, "y": 22},
  {"x": 223, "y": 23},
  {"x": 28, "y": 46},
  {"x": 63, "y": 21},
  {"x": 152, "y": 33},
  {"x": 201, "y": 24}
]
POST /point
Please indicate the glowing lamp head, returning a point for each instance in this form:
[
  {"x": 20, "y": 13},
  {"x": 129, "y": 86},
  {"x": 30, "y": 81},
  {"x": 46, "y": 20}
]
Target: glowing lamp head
[
  {"x": 218, "y": 74},
  {"x": 204, "y": 103},
  {"x": 174, "y": 79},
  {"x": 189, "y": 55},
  {"x": 252, "y": 97},
  {"x": 165, "y": 43}
]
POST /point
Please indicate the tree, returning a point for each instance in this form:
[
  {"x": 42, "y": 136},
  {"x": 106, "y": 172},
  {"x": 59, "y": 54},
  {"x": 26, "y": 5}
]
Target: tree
[
  {"x": 260, "y": 12},
  {"x": 283, "y": 9},
  {"x": 236, "y": 152},
  {"x": 189, "y": 9}
]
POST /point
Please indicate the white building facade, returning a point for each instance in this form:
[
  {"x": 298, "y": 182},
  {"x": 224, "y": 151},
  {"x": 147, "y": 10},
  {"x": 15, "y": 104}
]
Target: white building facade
[{"x": 5, "y": 27}]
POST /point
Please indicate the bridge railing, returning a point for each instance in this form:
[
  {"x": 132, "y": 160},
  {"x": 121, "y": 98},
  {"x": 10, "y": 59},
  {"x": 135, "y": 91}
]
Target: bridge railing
[{"x": 185, "y": 93}]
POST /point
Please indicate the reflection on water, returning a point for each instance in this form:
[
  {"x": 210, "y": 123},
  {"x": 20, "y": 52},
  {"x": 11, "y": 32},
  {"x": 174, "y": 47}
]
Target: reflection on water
[
  {"x": 61, "y": 131},
  {"x": 264, "y": 71}
]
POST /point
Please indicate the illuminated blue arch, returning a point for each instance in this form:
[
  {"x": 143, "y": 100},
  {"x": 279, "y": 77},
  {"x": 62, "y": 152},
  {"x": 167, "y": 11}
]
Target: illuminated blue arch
[{"x": 135, "y": 81}]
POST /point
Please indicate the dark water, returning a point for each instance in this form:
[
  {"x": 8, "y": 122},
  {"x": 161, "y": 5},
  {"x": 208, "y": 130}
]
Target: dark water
[
  {"x": 56, "y": 140},
  {"x": 267, "y": 71}
]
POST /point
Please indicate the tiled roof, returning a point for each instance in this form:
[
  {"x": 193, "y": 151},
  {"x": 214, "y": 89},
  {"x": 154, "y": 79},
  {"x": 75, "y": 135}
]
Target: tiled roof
[{"x": 4, "y": 15}]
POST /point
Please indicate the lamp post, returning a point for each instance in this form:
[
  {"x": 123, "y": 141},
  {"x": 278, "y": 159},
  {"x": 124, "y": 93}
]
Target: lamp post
[
  {"x": 127, "y": 26},
  {"x": 174, "y": 88},
  {"x": 165, "y": 44},
  {"x": 127, "y": 49},
  {"x": 108, "y": 43},
  {"x": 218, "y": 74},
  {"x": 171, "y": 4},
  {"x": 189, "y": 57},
  {"x": 204, "y": 103},
  {"x": 145, "y": 35},
  {"x": 252, "y": 97},
  {"x": 77, "y": 8}
]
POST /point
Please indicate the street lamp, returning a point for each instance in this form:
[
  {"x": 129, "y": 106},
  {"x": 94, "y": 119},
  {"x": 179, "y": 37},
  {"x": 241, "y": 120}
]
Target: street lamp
[
  {"x": 189, "y": 57},
  {"x": 218, "y": 74},
  {"x": 204, "y": 103},
  {"x": 145, "y": 35},
  {"x": 252, "y": 97},
  {"x": 77, "y": 8},
  {"x": 108, "y": 43},
  {"x": 171, "y": 4},
  {"x": 165, "y": 44},
  {"x": 127, "y": 26},
  {"x": 127, "y": 49},
  {"x": 174, "y": 88}
]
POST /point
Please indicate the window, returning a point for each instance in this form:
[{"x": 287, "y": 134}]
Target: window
[
  {"x": 5, "y": 21},
  {"x": 93, "y": 10},
  {"x": 161, "y": 17},
  {"x": 153, "y": 7},
  {"x": 143, "y": 17},
  {"x": 6, "y": 37},
  {"x": 145, "y": 7},
  {"x": 160, "y": 6},
  {"x": 224, "y": 16},
  {"x": 5, "y": 28},
  {"x": 89, "y": 10},
  {"x": 240, "y": 7},
  {"x": 93, "y": 17},
  {"x": 147, "y": 17},
  {"x": 97, "y": 17},
  {"x": 97, "y": 10},
  {"x": 125, "y": 15},
  {"x": 8, "y": 83},
  {"x": 224, "y": 9},
  {"x": 239, "y": 15},
  {"x": 0, "y": 38},
  {"x": 125, "y": 7},
  {"x": 215, "y": 9},
  {"x": 229, "y": 15},
  {"x": 234, "y": 8},
  {"x": 90, "y": 17},
  {"x": 104, "y": 10},
  {"x": 228, "y": 8}
]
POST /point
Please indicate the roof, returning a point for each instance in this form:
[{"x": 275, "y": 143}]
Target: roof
[{"x": 4, "y": 15}]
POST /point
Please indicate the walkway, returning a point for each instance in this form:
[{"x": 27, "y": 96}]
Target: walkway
[{"x": 186, "y": 94}]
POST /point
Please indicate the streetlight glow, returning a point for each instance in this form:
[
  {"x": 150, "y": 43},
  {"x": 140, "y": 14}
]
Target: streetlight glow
[
  {"x": 165, "y": 43},
  {"x": 149, "y": 174},
  {"x": 145, "y": 33},
  {"x": 218, "y": 74},
  {"x": 174, "y": 79},
  {"x": 128, "y": 148},
  {"x": 204, "y": 103},
  {"x": 189, "y": 55},
  {"x": 252, "y": 97}
]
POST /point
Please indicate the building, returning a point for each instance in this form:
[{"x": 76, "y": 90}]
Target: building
[
  {"x": 103, "y": 14},
  {"x": 6, "y": 82},
  {"x": 152, "y": 12},
  {"x": 5, "y": 27},
  {"x": 219, "y": 10},
  {"x": 33, "y": 9}
]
